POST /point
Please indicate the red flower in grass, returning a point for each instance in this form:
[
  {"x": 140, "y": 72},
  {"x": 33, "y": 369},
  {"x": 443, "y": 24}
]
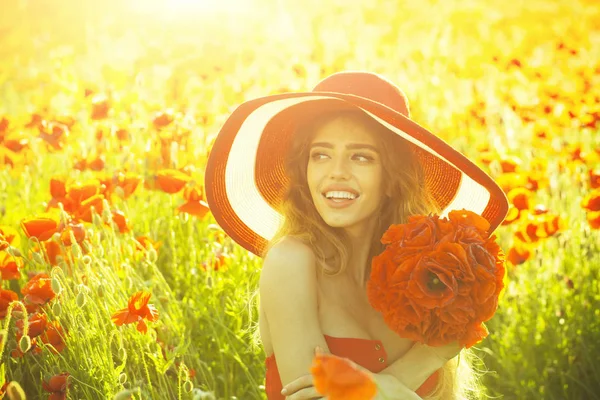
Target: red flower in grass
[
  {"x": 57, "y": 386},
  {"x": 6, "y": 297},
  {"x": 9, "y": 266},
  {"x": 38, "y": 290},
  {"x": 41, "y": 227},
  {"x": 171, "y": 180},
  {"x": 8, "y": 237},
  {"x": 195, "y": 204},
  {"x": 37, "y": 325},
  {"x": 338, "y": 378},
  {"x": 138, "y": 310},
  {"x": 54, "y": 335}
]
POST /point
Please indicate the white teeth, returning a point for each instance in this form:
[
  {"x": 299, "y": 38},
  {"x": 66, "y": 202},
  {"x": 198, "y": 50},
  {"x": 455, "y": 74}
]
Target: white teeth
[{"x": 340, "y": 195}]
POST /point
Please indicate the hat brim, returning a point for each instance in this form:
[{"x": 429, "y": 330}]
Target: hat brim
[{"x": 245, "y": 179}]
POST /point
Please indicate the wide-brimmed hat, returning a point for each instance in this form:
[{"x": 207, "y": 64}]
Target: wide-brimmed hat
[{"x": 245, "y": 178}]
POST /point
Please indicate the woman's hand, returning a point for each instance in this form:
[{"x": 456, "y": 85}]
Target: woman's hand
[{"x": 302, "y": 388}]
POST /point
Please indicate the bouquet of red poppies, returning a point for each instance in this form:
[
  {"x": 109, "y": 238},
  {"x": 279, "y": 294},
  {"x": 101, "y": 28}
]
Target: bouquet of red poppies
[{"x": 438, "y": 279}]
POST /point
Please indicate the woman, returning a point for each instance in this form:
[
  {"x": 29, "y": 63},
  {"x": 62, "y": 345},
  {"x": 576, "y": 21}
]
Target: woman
[{"x": 310, "y": 181}]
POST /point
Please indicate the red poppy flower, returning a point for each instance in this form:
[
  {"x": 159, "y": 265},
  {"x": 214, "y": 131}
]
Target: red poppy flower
[
  {"x": 171, "y": 180},
  {"x": 163, "y": 118},
  {"x": 79, "y": 192},
  {"x": 41, "y": 227},
  {"x": 338, "y": 378},
  {"x": 593, "y": 218},
  {"x": 591, "y": 202},
  {"x": 594, "y": 175},
  {"x": 54, "y": 335},
  {"x": 6, "y": 297},
  {"x": 100, "y": 106},
  {"x": 38, "y": 290},
  {"x": 37, "y": 325},
  {"x": 78, "y": 231},
  {"x": 518, "y": 254},
  {"x": 137, "y": 310},
  {"x": 9, "y": 237},
  {"x": 438, "y": 279},
  {"x": 520, "y": 197},
  {"x": 54, "y": 134},
  {"x": 57, "y": 386},
  {"x": 9, "y": 266},
  {"x": 145, "y": 243},
  {"x": 121, "y": 221},
  {"x": 84, "y": 211}
]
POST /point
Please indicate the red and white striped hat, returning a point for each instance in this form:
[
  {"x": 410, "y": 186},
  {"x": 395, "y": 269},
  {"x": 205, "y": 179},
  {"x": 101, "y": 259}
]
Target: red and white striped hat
[{"x": 245, "y": 178}]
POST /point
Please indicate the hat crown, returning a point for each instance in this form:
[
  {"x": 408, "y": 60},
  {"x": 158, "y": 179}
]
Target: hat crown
[{"x": 368, "y": 85}]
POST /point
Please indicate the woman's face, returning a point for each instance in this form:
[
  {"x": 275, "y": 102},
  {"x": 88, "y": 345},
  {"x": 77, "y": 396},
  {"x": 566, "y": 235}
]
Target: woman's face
[{"x": 344, "y": 175}]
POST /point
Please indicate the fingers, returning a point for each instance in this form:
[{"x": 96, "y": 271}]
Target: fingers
[
  {"x": 306, "y": 394},
  {"x": 305, "y": 381}
]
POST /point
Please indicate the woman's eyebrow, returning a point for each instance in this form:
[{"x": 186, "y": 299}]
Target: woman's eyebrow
[{"x": 349, "y": 146}]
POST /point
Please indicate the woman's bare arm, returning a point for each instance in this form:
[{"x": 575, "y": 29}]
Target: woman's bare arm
[
  {"x": 419, "y": 363},
  {"x": 288, "y": 293}
]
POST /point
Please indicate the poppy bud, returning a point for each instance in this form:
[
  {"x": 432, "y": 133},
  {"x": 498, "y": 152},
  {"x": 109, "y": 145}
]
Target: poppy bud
[
  {"x": 76, "y": 250},
  {"x": 122, "y": 353},
  {"x": 55, "y": 284},
  {"x": 97, "y": 220},
  {"x": 13, "y": 251},
  {"x": 188, "y": 386},
  {"x": 15, "y": 391},
  {"x": 86, "y": 259},
  {"x": 25, "y": 343},
  {"x": 80, "y": 300},
  {"x": 122, "y": 378},
  {"x": 56, "y": 309},
  {"x": 86, "y": 247},
  {"x": 100, "y": 291},
  {"x": 124, "y": 395},
  {"x": 37, "y": 257}
]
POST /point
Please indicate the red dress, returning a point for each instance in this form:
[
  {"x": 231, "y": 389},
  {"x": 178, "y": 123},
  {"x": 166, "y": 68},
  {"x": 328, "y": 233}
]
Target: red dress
[{"x": 369, "y": 354}]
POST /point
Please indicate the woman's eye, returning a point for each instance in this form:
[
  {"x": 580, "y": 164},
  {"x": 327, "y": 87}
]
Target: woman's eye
[
  {"x": 363, "y": 157},
  {"x": 318, "y": 156}
]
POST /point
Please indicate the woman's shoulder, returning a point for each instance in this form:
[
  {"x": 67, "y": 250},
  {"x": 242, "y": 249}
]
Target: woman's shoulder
[{"x": 289, "y": 247}]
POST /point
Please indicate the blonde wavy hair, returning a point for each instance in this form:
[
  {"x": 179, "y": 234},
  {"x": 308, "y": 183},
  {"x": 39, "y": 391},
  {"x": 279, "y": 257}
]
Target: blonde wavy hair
[{"x": 405, "y": 195}]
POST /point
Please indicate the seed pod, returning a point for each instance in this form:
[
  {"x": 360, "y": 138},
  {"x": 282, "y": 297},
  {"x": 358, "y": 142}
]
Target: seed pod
[
  {"x": 15, "y": 391},
  {"x": 25, "y": 343},
  {"x": 122, "y": 378},
  {"x": 97, "y": 220},
  {"x": 86, "y": 259},
  {"x": 57, "y": 309},
  {"x": 13, "y": 251},
  {"x": 76, "y": 250},
  {"x": 124, "y": 395},
  {"x": 80, "y": 299},
  {"x": 188, "y": 386},
  {"x": 55, "y": 284},
  {"x": 37, "y": 257}
]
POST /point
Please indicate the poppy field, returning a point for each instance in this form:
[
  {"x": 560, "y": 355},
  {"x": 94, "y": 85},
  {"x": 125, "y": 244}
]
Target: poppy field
[{"x": 116, "y": 282}]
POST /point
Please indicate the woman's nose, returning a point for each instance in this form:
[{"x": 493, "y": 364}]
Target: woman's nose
[{"x": 340, "y": 169}]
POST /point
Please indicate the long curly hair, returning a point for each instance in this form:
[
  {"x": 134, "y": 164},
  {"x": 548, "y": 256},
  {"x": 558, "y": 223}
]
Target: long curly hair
[{"x": 406, "y": 194}]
